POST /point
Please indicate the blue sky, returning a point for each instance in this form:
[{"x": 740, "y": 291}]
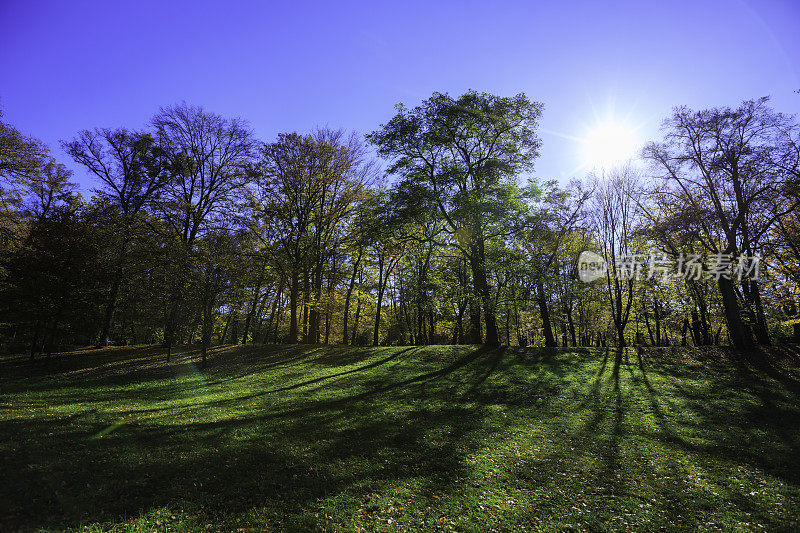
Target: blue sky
[{"x": 66, "y": 66}]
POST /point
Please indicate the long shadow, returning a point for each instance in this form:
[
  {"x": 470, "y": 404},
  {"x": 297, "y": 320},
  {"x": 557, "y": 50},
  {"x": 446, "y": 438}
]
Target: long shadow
[
  {"x": 593, "y": 394},
  {"x": 352, "y": 445},
  {"x": 183, "y": 407},
  {"x": 324, "y": 405},
  {"x": 210, "y": 470},
  {"x": 494, "y": 361},
  {"x": 395, "y": 356},
  {"x": 762, "y": 360},
  {"x": 721, "y": 431},
  {"x": 149, "y": 378},
  {"x": 611, "y": 453}
]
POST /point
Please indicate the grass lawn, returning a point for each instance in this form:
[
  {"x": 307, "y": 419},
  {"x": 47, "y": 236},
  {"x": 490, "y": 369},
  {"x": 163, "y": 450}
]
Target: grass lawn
[{"x": 434, "y": 438}]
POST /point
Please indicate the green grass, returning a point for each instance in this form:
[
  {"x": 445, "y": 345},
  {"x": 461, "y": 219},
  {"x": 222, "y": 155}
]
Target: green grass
[{"x": 434, "y": 438}]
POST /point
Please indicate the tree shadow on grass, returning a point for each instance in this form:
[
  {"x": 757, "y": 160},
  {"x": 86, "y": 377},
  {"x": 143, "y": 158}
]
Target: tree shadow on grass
[
  {"x": 64, "y": 472},
  {"x": 733, "y": 416},
  {"x": 390, "y": 421},
  {"x": 140, "y": 364},
  {"x": 691, "y": 432}
]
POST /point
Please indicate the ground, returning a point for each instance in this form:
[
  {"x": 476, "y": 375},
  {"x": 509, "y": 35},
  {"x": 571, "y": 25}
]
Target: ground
[{"x": 398, "y": 438}]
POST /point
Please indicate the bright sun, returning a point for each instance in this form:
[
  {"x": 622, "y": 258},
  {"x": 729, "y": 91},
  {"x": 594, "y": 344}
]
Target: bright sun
[{"x": 609, "y": 143}]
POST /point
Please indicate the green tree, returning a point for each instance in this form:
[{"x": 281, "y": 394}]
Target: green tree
[
  {"x": 306, "y": 191},
  {"x": 133, "y": 171},
  {"x": 463, "y": 154}
]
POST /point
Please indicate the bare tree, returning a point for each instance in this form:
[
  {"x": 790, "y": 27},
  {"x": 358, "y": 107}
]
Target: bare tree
[
  {"x": 209, "y": 156},
  {"x": 724, "y": 168},
  {"x": 614, "y": 215}
]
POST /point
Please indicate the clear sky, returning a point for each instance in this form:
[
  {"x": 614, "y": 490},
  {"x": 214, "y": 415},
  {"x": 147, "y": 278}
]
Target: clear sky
[{"x": 289, "y": 66}]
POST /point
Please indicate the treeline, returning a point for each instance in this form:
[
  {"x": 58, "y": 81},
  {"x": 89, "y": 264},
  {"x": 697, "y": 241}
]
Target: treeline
[{"x": 198, "y": 233}]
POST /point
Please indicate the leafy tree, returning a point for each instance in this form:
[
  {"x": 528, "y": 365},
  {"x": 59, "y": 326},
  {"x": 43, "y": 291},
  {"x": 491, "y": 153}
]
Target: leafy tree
[
  {"x": 306, "y": 191},
  {"x": 552, "y": 218},
  {"x": 54, "y": 278},
  {"x": 27, "y": 173},
  {"x": 133, "y": 170},
  {"x": 463, "y": 154}
]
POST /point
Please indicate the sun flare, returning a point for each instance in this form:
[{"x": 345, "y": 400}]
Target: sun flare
[{"x": 608, "y": 144}]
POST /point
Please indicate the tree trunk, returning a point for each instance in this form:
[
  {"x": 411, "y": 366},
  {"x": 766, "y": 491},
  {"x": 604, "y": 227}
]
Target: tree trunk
[
  {"x": 458, "y": 329},
  {"x": 294, "y": 291},
  {"x": 649, "y": 329},
  {"x": 111, "y": 304},
  {"x": 547, "y": 329},
  {"x": 657, "y": 317},
  {"x": 694, "y": 326},
  {"x": 205, "y": 335},
  {"x": 571, "y": 327},
  {"x": 306, "y": 301},
  {"x": 259, "y": 326},
  {"x": 225, "y": 329},
  {"x": 35, "y": 340},
  {"x": 621, "y": 335},
  {"x": 376, "y": 332},
  {"x": 273, "y": 315},
  {"x": 347, "y": 297},
  {"x": 762, "y": 333},
  {"x": 482, "y": 292},
  {"x": 355, "y": 321},
  {"x": 740, "y": 338},
  {"x": 381, "y": 283},
  {"x": 475, "y": 334},
  {"x": 684, "y": 329},
  {"x": 171, "y": 326},
  {"x": 314, "y": 313},
  {"x": 253, "y": 306},
  {"x": 235, "y": 325},
  {"x": 432, "y": 329},
  {"x": 51, "y": 339},
  {"x": 330, "y": 297},
  {"x": 508, "y": 327},
  {"x": 111, "y": 307}
]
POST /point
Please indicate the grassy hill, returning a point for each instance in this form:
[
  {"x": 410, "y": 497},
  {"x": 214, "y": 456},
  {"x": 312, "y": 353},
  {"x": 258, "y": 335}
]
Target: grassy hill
[{"x": 435, "y": 438}]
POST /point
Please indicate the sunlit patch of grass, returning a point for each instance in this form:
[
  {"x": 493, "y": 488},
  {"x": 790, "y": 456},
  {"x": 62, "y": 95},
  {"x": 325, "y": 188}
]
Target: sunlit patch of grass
[{"x": 395, "y": 438}]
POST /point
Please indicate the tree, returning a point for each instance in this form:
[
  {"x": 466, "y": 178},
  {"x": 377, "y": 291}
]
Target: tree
[
  {"x": 614, "y": 214},
  {"x": 198, "y": 233},
  {"x": 54, "y": 276},
  {"x": 208, "y": 158},
  {"x": 26, "y": 169},
  {"x": 724, "y": 168},
  {"x": 219, "y": 252},
  {"x": 462, "y": 154},
  {"x": 552, "y": 218},
  {"x": 306, "y": 190},
  {"x": 133, "y": 170},
  {"x": 385, "y": 240}
]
